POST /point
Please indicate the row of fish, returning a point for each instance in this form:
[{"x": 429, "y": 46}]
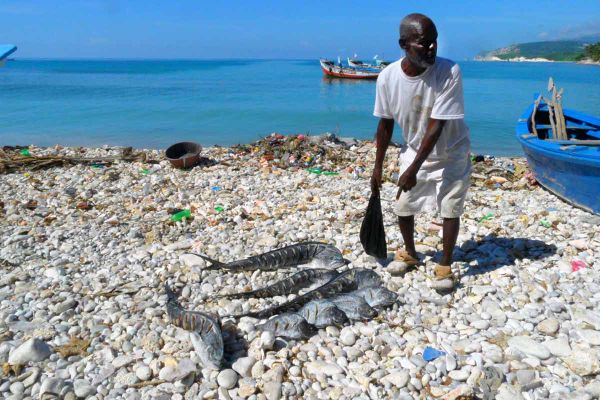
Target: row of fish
[{"x": 353, "y": 295}]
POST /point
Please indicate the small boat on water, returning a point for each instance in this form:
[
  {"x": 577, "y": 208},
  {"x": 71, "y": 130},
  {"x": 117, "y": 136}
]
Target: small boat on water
[
  {"x": 379, "y": 64},
  {"x": 563, "y": 150},
  {"x": 5, "y": 51},
  {"x": 331, "y": 69}
]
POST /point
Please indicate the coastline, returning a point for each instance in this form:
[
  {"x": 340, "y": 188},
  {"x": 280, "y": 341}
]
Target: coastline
[
  {"x": 534, "y": 60},
  {"x": 86, "y": 250}
]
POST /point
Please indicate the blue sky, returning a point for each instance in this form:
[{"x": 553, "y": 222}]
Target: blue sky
[{"x": 278, "y": 29}]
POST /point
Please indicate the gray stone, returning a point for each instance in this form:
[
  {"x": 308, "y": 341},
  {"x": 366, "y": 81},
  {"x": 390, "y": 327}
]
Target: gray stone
[
  {"x": 17, "y": 388},
  {"x": 590, "y": 336},
  {"x": 460, "y": 375},
  {"x": 143, "y": 373},
  {"x": 583, "y": 362},
  {"x": 528, "y": 346},
  {"x": 525, "y": 376},
  {"x": 399, "y": 378},
  {"x": 347, "y": 337},
  {"x": 227, "y": 379},
  {"x": 559, "y": 347},
  {"x": 83, "y": 389},
  {"x": 33, "y": 350},
  {"x": 323, "y": 367},
  {"x": 243, "y": 366},
  {"x": 548, "y": 326},
  {"x": 51, "y": 386},
  {"x": 272, "y": 390}
]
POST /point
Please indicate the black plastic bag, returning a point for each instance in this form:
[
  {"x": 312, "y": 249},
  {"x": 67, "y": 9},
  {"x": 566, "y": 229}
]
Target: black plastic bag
[{"x": 372, "y": 233}]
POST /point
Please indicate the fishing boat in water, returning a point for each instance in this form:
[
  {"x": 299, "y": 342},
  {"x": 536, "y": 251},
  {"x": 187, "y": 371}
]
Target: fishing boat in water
[
  {"x": 337, "y": 71},
  {"x": 5, "y": 51},
  {"x": 379, "y": 64},
  {"x": 563, "y": 150}
]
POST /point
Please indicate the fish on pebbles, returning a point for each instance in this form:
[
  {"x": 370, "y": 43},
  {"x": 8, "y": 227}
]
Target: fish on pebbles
[
  {"x": 289, "y": 326},
  {"x": 204, "y": 328},
  {"x": 323, "y": 313},
  {"x": 319, "y": 255},
  {"x": 355, "y": 307},
  {"x": 299, "y": 280},
  {"x": 377, "y": 297},
  {"x": 345, "y": 282}
]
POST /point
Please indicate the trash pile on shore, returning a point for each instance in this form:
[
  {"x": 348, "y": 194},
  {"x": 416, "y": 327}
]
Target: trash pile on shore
[{"x": 86, "y": 251}]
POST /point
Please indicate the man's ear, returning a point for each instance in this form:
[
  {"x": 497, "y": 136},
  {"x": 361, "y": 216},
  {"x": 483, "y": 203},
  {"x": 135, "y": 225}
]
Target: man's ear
[{"x": 402, "y": 43}]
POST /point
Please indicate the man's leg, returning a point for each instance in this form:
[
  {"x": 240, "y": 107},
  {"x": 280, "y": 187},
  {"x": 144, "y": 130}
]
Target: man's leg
[
  {"x": 407, "y": 228},
  {"x": 450, "y": 231}
]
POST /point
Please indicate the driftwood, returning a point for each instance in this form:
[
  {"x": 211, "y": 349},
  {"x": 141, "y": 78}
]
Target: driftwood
[{"x": 14, "y": 161}]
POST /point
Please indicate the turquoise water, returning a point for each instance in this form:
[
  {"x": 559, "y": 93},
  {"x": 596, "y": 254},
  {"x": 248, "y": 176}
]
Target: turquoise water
[{"x": 156, "y": 103}]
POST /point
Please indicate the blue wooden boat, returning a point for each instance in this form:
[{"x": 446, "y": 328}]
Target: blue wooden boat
[
  {"x": 6, "y": 50},
  {"x": 567, "y": 163}
]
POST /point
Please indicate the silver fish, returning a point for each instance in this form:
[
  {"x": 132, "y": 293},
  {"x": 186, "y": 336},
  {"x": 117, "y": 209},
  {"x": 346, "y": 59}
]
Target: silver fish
[
  {"x": 343, "y": 283},
  {"x": 205, "y": 330},
  {"x": 355, "y": 307},
  {"x": 320, "y": 255},
  {"x": 289, "y": 326},
  {"x": 377, "y": 296},
  {"x": 323, "y": 313},
  {"x": 292, "y": 284}
]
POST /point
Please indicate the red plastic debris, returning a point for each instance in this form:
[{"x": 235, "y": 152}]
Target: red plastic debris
[{"x": 576, "y": 265}]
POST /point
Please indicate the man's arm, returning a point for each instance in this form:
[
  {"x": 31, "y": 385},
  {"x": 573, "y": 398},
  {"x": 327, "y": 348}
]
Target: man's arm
[
  {"x": 385, "y": 129},
  {"x": 409, "y": 178}
]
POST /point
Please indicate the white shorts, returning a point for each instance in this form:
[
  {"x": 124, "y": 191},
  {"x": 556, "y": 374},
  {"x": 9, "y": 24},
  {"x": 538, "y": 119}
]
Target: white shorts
[{"x": 442, "y": 185}]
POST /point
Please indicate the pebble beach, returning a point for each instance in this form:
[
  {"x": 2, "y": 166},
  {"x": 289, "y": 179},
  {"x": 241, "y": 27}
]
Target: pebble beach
[{"x": 86, "y": 250}]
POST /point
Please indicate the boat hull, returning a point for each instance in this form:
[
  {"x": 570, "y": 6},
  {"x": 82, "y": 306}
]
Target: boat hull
[
  {"x": 346, "y": 73},
  {"x": 572, "y": 172}
]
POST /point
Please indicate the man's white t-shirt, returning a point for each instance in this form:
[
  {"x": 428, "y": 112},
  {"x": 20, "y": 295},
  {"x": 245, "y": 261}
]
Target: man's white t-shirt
[{"x": 436, "y": 93}]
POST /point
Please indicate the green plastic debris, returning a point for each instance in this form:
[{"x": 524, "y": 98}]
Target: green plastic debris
[
  {"x": 219, "y": 209},
  {"x": 145, "y": 171},
  {"x": 181, "y": 215},
  {"x": 486, "y": 217},
  {"x": 545, "y": 223},
  {"x": 25, "y": 152},
  {"x": 319, "y": 171}
]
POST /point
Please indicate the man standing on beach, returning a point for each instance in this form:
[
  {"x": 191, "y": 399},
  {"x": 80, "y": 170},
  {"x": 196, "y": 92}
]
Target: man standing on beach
[{"x": 424, "y": 94}]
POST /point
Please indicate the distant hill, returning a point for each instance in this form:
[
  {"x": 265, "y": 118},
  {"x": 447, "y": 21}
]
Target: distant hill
[{"x": 560, "y": 50}]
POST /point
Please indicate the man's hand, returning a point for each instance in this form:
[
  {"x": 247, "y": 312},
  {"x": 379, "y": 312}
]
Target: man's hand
[
  {"x": 407, "y": 181},
  {"x": 376, "y": 180}
]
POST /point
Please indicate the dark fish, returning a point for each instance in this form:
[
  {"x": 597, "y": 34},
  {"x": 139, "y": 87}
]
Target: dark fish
[
  {"x": 323, "y": 313},
  {"x": 367, "y": 278},
  {"x": 297, "y": 281},
  {"x": 377, "y": 296},
  {"x": 321, "y": 255},
  {"x": 205, "y": 330},
  {"x": 343, "y": 283},
  {"x": 289, "y": 326},
  {"x": 355, "y": 307}
]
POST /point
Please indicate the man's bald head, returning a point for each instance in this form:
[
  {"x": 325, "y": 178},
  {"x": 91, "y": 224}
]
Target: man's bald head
[{"x": 414, "y": 24}]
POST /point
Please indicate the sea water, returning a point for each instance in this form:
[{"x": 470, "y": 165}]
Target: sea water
[{"x": 155, "y": 103}]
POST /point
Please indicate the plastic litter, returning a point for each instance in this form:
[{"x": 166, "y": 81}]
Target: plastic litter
[
  {"x": 25, "y": 152},
  {"x": 545, "y": 223},
  {"x": 181, "y": 215},
  {"x": 576, "y": 265},
  {"x": 219, "y": 208},
  {"x": 486, "y": 217},
  {"x": 215, "y": 188},
  {"x": 430, "y": 354},
  {"x": 315, "y": 170},
  {"x": 145, "y": 171}
]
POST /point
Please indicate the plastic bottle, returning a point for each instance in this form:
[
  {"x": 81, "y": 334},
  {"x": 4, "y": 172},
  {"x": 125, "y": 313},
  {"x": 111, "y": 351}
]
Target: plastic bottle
[
  {"x": 25, "y": 152},
  {"x": 180, "y": 215}
]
